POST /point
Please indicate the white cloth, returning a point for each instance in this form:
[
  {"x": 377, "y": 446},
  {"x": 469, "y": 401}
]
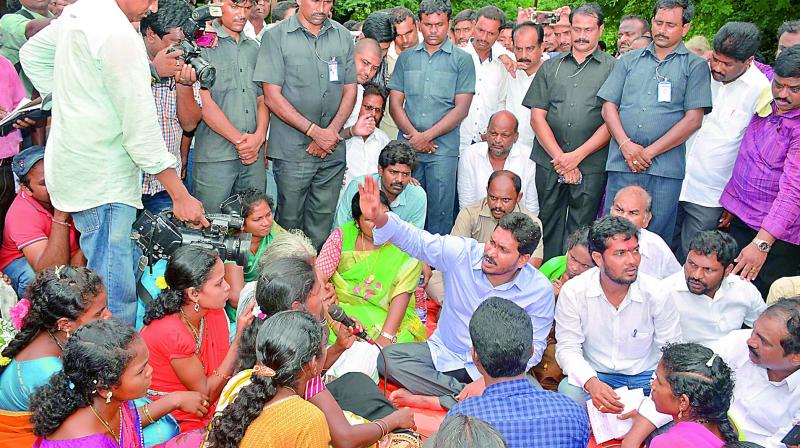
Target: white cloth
[
  {"x": 362, "y": 156},
  {"x": 763, "y": 410},
  {"x": 351, "y": 120},
  {"x": 657, "y": 259},
  {"x": 711, "y": 151},
  {"x": 593, "y": 336},
  {"x": 250, "y": 31},
  {"x": 705, "y": 320},
  {"x": 490, "y": 95},
  {"x": 474, "y": 170},
  {"x": 517, "y": 89}
]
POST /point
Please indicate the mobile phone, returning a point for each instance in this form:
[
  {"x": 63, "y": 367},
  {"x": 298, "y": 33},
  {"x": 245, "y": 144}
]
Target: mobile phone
[{"x": 793, "y": 438}]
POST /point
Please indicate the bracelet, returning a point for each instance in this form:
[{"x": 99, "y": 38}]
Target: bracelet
[
  {"x": 383, "y": 426},
  {"x": 147, "y": 414},
  {"x": 623, "y": 143},
  {"x": 310, "y": 128},
  {"x": 350, "y": 130},
  {"x": 63, "y": 223},
  {"x": 224, "y": 377}
]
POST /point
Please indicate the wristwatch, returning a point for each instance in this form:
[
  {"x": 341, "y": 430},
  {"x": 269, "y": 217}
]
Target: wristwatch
[
  {"x": 762, "y": 245},
  {"x": 390, "y": 337}
]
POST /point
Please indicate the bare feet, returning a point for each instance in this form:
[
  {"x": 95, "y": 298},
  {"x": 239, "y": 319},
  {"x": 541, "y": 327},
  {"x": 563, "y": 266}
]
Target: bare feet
[{"x": 402, "y": 398}]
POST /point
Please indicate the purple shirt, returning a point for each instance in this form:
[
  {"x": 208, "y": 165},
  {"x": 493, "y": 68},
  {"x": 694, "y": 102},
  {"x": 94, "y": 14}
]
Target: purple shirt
[
  {"x": 10, "y": 95},
  {"x": 764, "y": 190},
  {"x": 765, "y": 69}
]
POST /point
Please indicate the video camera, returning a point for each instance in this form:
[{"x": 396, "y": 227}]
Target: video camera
[{"x": 206, "y": 73}]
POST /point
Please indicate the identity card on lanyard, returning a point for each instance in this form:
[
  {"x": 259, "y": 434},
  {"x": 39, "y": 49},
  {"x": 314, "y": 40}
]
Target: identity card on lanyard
[
  {"x": 333, "y": 70},
  {"x": 665, "y": 91}
]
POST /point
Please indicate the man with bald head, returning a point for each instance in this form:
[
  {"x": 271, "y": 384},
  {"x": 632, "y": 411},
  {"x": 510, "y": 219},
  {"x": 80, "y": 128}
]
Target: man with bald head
[
  {"x": 500, "y": 151},
  {"x": 634, "y": 204},
  {"x": 368, "y": 58}
]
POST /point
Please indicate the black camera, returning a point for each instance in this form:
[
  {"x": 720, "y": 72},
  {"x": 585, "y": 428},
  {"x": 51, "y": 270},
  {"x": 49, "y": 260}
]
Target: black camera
[
  {"x": 160, "y": 235},
  {"x": 206, "y": 73}
]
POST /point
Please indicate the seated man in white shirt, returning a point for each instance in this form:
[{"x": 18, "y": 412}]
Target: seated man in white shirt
[
  {"x": 500, "y": 151},
  {"x": 633, "y": 203},
  {"x": 710, "y": 300},
  {"x": 766, "y": 364},
  {"x": 363, "y": 150},
  {"x": 611, "y": 321}
]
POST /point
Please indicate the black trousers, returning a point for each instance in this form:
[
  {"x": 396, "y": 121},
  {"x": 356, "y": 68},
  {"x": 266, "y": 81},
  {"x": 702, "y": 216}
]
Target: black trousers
[
  {"x": 783, "y": 259},
  {"x": 357, "y": 393}
]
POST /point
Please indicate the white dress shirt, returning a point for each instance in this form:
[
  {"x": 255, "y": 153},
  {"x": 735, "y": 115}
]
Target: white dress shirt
[
  {"x": 763, "y": 410},
  {"x": 711, "y": 151},
  {"x": 593, "y": 336},
  {"x": 490, "y": 95},
  {"x": 657, "y": 259},
  {"x": 351, "y": 120},
  {"x": 474, "y": 170},
  {"x": 705, "y": 320},
  {"x": 517, "y": 89},
  {"x": 362, "y": 155}
]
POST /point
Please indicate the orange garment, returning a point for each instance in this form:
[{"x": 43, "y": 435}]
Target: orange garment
[
  {"x": 16, "y": 430},
  {"x": 291, "y": 422}
]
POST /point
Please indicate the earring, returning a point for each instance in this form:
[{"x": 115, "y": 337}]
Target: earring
[
  {"x": 196, "y": 307},
  {"x": 680, "y": 414},
  {"x": 67, "y": 333},
  {"x": 108, "y": 397}
]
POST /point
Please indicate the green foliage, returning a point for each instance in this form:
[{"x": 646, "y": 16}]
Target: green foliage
[{"x": 710, "y": 15}]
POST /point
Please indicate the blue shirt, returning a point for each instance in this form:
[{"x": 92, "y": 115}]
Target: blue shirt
[
  {"x": 411, "y": 205},
  {"x": 20, "y": 379},
  {"x": 528, "y": 417},
  {"x": 633, "y": 87},
  {"x": 466, "y": 285},
  {"x": 430, "y": 84}
]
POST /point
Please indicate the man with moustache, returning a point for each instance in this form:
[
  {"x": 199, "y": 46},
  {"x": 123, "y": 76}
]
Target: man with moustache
[
  {"x": 630, "y": 28},
  {"x": 611, "y": 321},
  {"x": 766, "y": 364},
  {"x": 309, "y": 79},
  {"x": 551, "y": 41},
  {"x": 229, "y": 142},
  {"x": 736, "y": 87},
  {"x": 367, "y": 59},
  {"x": 406, "y": 35},
  {"x": 762, "y": 198},
  {"x": 788, "y": 36},
  {"x": 527, "y": 46},
  {"x": 256, "y": 25},
  {"x": 463, "y": 26},
  {"x": 571, "y": 139}
]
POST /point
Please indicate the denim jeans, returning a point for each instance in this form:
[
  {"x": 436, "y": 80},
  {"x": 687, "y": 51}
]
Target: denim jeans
[
  {"x": 664, "y": 191},
  {"x": 156, "y": 203},
  {"x": 21, "y": 274},
  {"x": 106, "y": 242},
  {"x": 615, "y": 380}
]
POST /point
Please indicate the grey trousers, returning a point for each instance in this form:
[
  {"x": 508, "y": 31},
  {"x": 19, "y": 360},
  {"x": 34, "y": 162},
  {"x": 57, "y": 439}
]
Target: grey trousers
[
  {"x": 213, "y": 182},
  {"x": 307, "y": 195},
  {"x": 691, "y": 220}
]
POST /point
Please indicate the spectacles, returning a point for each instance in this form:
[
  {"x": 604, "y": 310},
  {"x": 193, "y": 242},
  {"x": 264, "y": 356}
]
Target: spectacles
[{"x": 377, "y": 110}]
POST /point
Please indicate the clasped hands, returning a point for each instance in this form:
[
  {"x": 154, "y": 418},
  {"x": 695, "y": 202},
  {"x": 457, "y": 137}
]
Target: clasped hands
[
  {"x": 421, "y": 142},
  {"x": 636, "y": 156},
  {"x": 566, "y": 165}
]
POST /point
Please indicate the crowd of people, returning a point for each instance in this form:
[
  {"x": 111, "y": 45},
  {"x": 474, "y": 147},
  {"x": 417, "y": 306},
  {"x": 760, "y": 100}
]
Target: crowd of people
[{"x": 507, "y": 223}]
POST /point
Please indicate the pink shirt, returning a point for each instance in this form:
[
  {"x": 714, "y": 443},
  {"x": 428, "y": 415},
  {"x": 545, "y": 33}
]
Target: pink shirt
[
  {"x": 10, "y": 95},
  {"x": 687, "y": 435}
]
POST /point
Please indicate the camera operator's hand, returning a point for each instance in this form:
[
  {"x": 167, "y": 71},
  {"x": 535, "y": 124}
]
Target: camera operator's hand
[
  {"x": 186, "y": 75},
  {"x": 189, "y": 210},
  {"x": 167, "y": 64}
]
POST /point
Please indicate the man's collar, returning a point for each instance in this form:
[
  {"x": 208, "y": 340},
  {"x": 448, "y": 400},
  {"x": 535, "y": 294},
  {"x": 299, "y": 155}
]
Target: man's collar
[
  {"x": 793, "y": 380},
  {"x": 294, "y": 24},
  {"x": 224, "y": 34},
  {"x": 593, "y": 55},
  {"x": 509, "y": 387},
  {"x": 680, "y": 49},
  {"x": 594, "y": 289},
  {"x": 400, "y": 199},
  {"x": 447, "y": 47}
]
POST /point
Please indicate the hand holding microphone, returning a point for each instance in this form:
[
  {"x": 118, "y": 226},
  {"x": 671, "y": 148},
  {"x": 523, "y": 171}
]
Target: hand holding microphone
[{"x": 337, "y": 313}]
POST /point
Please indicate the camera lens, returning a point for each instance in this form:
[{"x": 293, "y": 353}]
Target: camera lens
[{"x": 206, "y": 73}]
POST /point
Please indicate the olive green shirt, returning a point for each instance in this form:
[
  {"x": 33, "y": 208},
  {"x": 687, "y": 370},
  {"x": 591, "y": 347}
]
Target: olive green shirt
[
  {"x": 234, "y": 92},
  {"x": 298, "y": 61},
  {"x": 568, "y": 92}
]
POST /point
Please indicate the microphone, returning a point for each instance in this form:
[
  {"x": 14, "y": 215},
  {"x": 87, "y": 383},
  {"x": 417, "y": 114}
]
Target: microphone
[{"x": 337, "y": 313}]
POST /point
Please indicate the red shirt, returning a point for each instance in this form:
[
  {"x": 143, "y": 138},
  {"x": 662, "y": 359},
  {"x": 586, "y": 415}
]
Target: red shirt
[{"x": 26, "y": 223}]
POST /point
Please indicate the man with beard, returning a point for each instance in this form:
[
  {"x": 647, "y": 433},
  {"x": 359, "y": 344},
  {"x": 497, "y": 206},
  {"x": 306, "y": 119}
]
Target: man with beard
[
  {"x": 365, "y": 140},
  {"x": 762, "y": 199},
  {"x": 463, "y": 26},
  {"x": 612, "y": 321},
  {"x": 307, "y": 66},
  {"x": 630, "y": 29},
  {"x": 500, "y": 151},
  {"x": 571, "y": 139},
  {"x": 711, "y": 151},
  {"x": 439, "y": 372},
  {"x": 766, "y": 364},
  {"x": 527, "y": 46},
  {"x": 711, "y": 301}
]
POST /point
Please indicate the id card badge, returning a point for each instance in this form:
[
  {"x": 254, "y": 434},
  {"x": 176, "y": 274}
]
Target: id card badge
[
  {"x": 333, "y": 70},
  {"x": 664, "y": 92}
]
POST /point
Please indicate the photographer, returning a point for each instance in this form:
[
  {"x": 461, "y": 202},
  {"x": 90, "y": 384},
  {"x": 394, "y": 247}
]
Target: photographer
[
  {"x": 104, "y": 134},
  {"x": 177, "y": 104},
  {"x": 229, "y": 142}
]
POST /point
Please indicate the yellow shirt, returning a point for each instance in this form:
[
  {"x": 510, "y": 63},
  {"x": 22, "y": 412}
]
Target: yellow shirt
[{"x": 291, "y": 422}]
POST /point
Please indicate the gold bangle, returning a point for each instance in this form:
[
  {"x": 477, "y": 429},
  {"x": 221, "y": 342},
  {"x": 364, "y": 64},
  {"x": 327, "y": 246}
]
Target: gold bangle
[
  {"x": 224, "y": 377},
  {"x": 147, "y": 414},
  {"x": 310, "y": 128}
]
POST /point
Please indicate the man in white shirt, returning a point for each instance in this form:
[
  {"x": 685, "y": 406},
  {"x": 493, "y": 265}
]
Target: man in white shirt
[
  {"x": 500, "y": 151},
  {"x": 611, "y": 321},
  {"x": 490, "y": 75},
  {"x": 710, "y": 300},
  {"x": 527, "y": 44},
  {"x": 634, "y": 204},
  {"x": 711, "y": 151},
  {"x": 363, "y": 150},
  {"x": 368, "y": 59},
  {"x": 766, "y": 363}
]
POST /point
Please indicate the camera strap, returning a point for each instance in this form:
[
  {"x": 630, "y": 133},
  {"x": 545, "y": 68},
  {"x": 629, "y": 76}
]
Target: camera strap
[{"x": 141, "y": 291}]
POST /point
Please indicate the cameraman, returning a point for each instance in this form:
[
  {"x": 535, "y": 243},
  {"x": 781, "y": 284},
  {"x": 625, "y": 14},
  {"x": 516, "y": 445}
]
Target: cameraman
[
  {"x": 229, "y": 143},
  {"x": 175, "y": 98},
  {"x": 104, "y": 134}
]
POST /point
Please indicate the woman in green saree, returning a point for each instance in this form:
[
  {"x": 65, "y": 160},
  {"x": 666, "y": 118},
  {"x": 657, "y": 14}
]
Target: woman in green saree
[{"x": 374, "y": 284}]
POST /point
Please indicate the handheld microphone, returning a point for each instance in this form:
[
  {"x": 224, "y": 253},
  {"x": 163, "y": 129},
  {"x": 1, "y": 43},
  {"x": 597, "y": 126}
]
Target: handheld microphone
[{"x": 337, "y": 313}]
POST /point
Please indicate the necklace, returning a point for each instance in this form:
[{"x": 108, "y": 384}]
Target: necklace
[
  {"x": 55, "y": 339},
  {"x": 369, "y": 287},
  {"x": 198, "y": 336},
  {"x": 107, "y": 425}
]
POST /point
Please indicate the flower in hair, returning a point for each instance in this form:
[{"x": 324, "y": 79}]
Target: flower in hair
[
  {"x": 711, "y": 361},
  {"x": 4, "y": 361},
  {"x": 161, "y": 283},
  {"x": 258, "y": 313},
  {"x": 70, "y": 384},
  {"x": 18, "y": 312},
  {"x": 58, "y": 271},
  {"x": 263, "y": 371}
]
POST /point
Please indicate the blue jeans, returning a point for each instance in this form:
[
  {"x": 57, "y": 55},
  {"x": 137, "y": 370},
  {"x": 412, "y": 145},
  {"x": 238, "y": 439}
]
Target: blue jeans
[
  {"x": 665, "y": 192},
  {"x": 437, "y": 175},
  {"x": 21, "y": 274},
  {"x": 106, "y": 242},
  {"x": 156, "y": 203},
  {"x": 615, "y": 380}
]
